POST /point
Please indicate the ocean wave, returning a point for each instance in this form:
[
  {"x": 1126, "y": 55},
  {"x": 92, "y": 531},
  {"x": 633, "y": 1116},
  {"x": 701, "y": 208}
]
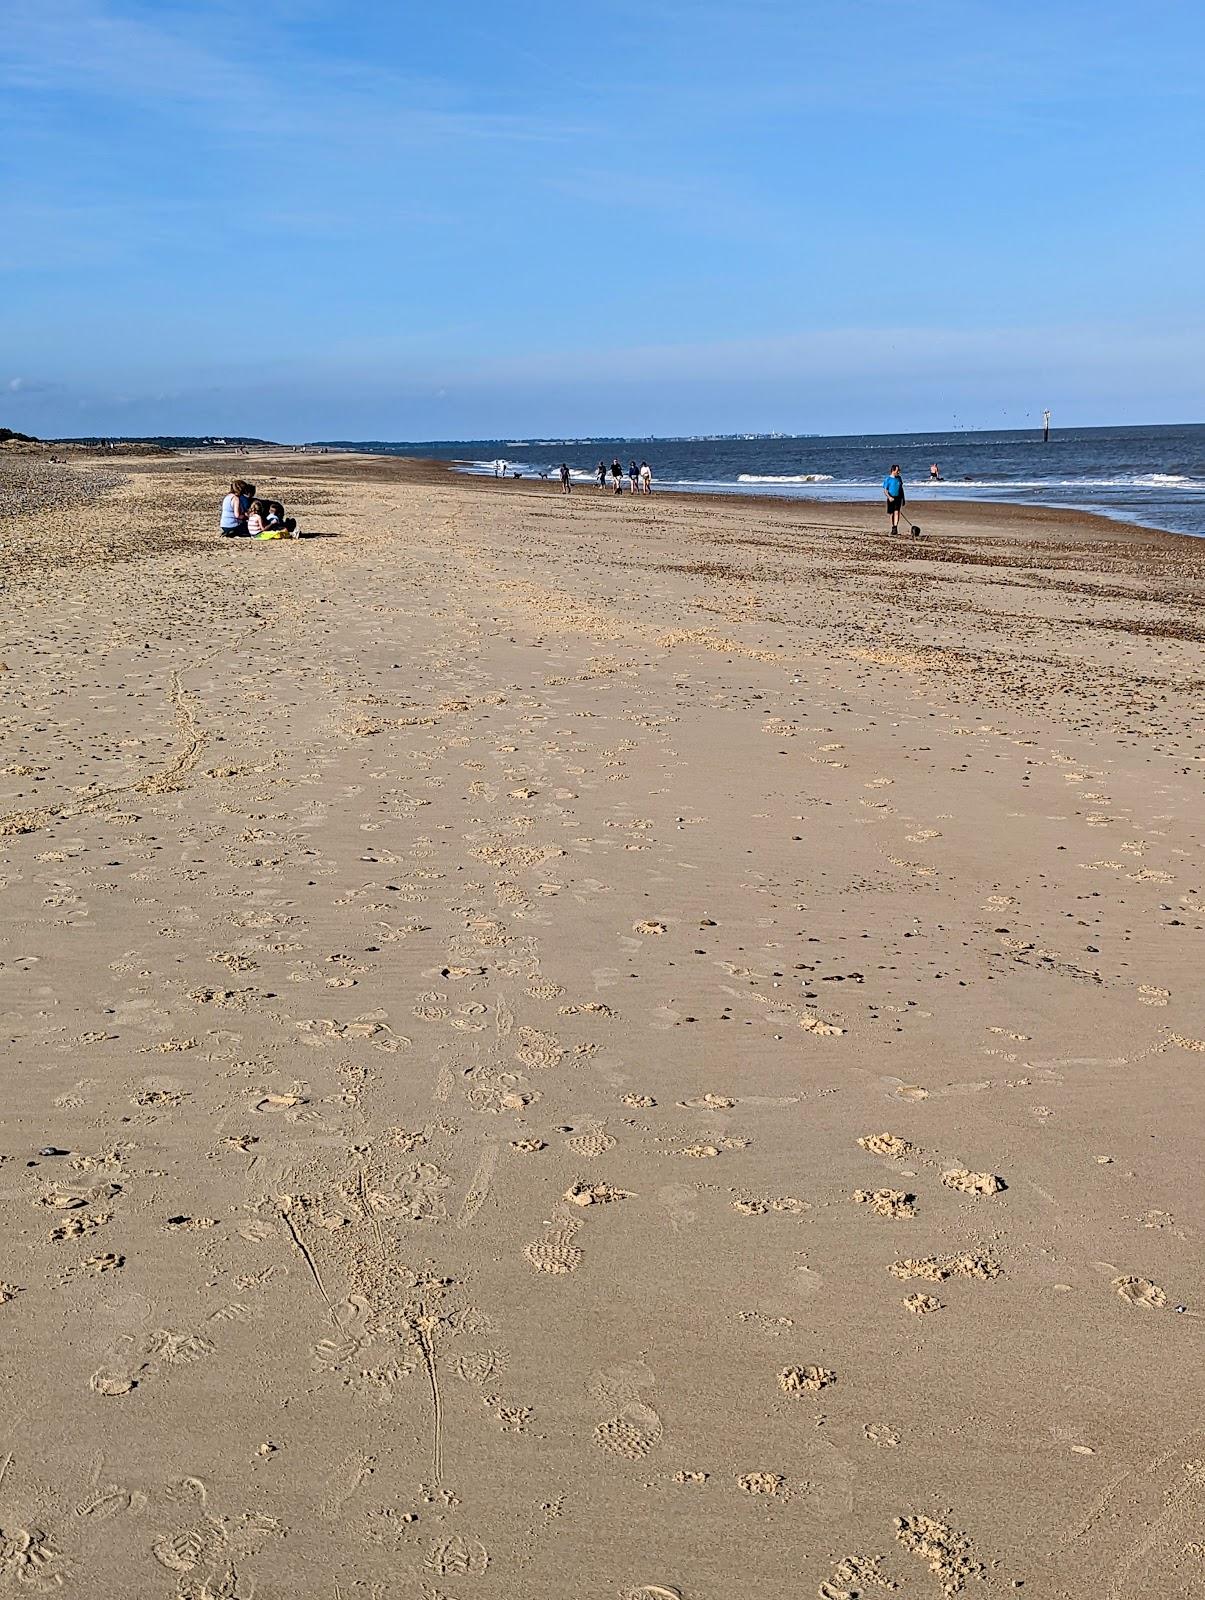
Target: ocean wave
[
  {"x": 796, "y": 477},
  {"x": 1144, "y": 480}
]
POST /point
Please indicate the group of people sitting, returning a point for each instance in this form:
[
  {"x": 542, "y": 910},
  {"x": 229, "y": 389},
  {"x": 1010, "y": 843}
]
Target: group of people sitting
[{"x": 243, "y": 516}]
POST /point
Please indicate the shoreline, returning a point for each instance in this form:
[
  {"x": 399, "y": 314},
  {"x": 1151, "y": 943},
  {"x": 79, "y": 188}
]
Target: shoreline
[
  {"x": 946, "y": 514},
  {"x": 951, "y": 511},
  {"x": 934, "y": 512}
]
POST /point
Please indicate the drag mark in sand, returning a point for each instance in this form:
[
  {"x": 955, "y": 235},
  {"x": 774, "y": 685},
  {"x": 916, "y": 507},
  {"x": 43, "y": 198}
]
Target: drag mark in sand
[
  {"x": 370, "y": 1213},
  {"x": 1136, "y": 1512},
  {"x": 192, "y": 742},
  {"x": 286, "y": 1205}
]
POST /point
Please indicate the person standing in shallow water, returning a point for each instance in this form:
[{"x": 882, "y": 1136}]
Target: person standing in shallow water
[
  {"x": 893, "y": 489},
  {"x": 566, "y": 485}
]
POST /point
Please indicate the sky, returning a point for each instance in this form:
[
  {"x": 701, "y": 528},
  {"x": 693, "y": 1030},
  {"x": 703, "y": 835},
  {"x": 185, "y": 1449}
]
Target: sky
[{"x": 400, "y": 219}]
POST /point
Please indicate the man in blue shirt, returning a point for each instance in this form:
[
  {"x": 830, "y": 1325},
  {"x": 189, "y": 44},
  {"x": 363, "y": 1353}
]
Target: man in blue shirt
[{"x": 893, "y": 488}]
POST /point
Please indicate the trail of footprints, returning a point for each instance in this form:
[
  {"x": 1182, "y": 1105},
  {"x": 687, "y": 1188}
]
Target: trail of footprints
[{"x": 502, "y": 1044}]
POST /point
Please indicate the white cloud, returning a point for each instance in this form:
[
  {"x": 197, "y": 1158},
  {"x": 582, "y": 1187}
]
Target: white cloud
[{"x": 218, "y": 65}]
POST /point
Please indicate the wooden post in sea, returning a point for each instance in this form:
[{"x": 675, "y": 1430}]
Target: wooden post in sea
[{"x": 1046, "y": 427}]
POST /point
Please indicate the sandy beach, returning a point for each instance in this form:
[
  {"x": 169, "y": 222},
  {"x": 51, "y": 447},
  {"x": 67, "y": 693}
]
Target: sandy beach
[{"x": 625, "y": 1049}]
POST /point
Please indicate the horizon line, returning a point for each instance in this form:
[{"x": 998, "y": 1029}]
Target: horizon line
[{"x": 603, "y": 437}]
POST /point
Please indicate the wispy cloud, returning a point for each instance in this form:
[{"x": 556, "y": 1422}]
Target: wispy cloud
[
  {"x": 27, "y": 386},
  {"x": 243, "y": 78},
  {"x": 871, "y": 354}
]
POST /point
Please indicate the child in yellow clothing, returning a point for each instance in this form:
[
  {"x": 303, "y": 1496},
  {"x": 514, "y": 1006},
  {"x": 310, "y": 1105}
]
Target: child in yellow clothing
[{"x": 255, "y": 523}]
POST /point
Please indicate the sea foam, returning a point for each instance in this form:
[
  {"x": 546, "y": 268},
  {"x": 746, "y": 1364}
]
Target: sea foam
[{"x": 789, "y": 477}]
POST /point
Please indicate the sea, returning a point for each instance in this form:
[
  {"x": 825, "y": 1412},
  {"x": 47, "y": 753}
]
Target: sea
[{"x": 1154, "y": 476}]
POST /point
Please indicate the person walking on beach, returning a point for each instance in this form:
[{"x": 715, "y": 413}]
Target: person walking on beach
[
  {"x": 566, "y": 485},
  {"x": 602, "y": 474},
  {"x": 617, "y": 475},
  {"x": 646, "y": 477},
  {"x": 893, "y": 489},
  {"x": 634, "y": 477}
]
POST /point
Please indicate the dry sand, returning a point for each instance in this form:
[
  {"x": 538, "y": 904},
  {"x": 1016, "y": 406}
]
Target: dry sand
[{"x": 597, "y": 1049}]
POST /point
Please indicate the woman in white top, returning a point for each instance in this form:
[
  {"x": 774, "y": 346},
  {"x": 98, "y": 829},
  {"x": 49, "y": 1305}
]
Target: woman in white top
[{"x": 234, "y": 511}]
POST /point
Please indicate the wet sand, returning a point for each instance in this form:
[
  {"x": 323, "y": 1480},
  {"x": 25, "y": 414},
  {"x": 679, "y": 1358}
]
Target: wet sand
[{"x": 618, "y": 1048}]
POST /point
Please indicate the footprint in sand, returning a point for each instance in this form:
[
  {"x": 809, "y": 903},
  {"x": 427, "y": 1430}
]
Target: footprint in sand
[
  {"x": 886, "y": 1202},
  {"x": 936, "y": 1269},
  {"x": 594, "y": 1141},
  {"x": 480, "y": 1366},
  {"x": 109, "y": 1383},
  {"x": 882, "y": 1434},
  {"x": 949, "y": 1555},
  {"x": 28, "y": 1556},
  {"x": 77, "y": 1227},
  {"x": 805, "y": 1380},
  {"x": 886, "y": 1144},
  {"x": 755, "y": 1205},
  {"x": 764, "y": 1483},
  {"x": 853, "y": 1577},
  {"x": 594, "y": 1194},
  {"x": 1140, "y": 1292},
  {"x": 555, "y": 1253},
  {"x": 964, "y": 1182},
  {"x": 632, "y": 1433},
  {"x": 921, "y": 1304}
]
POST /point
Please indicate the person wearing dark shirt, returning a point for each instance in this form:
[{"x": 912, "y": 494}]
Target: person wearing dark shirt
[{"x": 274, "y": 517}]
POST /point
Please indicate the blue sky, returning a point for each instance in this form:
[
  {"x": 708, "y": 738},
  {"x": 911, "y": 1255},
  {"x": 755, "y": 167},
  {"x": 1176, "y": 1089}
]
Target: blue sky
[{"x": 388, "y": 219}]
